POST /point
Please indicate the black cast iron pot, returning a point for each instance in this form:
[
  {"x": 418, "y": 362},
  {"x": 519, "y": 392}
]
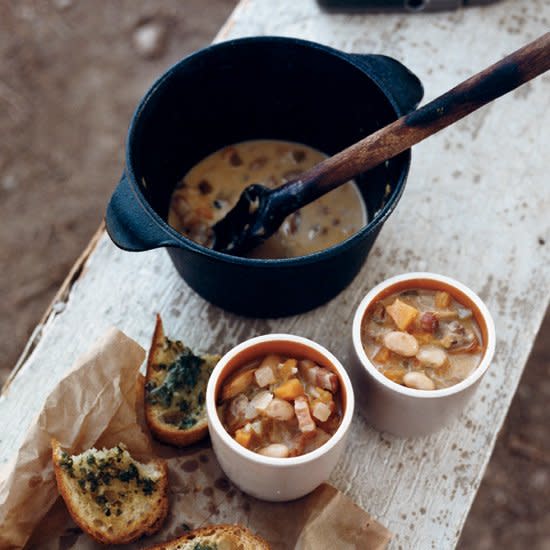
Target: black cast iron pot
[{"x": 252, "y": 88}]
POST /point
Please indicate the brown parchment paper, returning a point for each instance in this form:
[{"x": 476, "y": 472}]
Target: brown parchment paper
[{"x": 97, "y": 404}]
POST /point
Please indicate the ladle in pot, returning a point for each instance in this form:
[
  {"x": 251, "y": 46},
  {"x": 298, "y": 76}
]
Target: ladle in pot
[{"x": 260, "y": 211}]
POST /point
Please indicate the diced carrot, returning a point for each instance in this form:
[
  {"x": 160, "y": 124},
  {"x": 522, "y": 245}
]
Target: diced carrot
[
  {"x": 442, "y": 299},
  {"x": 395, "y": 374},
  {"x": 402, "y": 314},
  {"x": 243, "y": 438},
  {"x": 286, "y": 370},
  {"x": 383, "y": 355},
  {"x": 289, "y": 390}
]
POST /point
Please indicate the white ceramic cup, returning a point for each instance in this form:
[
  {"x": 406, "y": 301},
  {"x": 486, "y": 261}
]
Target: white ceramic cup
[
  {"x": 276, "y": 479},
  {"x": 409, "y": 412}
]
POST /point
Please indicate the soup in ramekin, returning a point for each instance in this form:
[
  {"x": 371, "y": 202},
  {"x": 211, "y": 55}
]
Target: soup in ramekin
[
  {"x": 281, "y": 406},
  {"x": 422, "y": 338}
]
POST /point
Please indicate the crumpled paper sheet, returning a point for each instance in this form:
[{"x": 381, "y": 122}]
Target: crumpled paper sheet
[{"x": 96, "y": 405}]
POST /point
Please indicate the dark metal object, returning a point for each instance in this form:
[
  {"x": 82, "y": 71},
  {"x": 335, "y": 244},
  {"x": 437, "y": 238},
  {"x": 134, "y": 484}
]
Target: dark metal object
[
  {"x": 398, "y": 5},
  {"x": 262, "y": 87}
]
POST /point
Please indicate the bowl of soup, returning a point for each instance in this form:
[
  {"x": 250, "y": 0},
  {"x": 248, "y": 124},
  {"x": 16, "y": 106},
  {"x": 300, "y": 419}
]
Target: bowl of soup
[
  {"x": 422, "y": 343},
  {"x": 261, "y": 110},
  {"x": 279, "y": 409}
]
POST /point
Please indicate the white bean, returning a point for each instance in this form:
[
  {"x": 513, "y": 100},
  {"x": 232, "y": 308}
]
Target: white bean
[
  {"x": 418, "y": 381},
  {"x": 275, "y": 450},
  {"x": 279, "y": 409},
  {"x": 402, "y": 343},
  {"x": 432, "y": 356}
]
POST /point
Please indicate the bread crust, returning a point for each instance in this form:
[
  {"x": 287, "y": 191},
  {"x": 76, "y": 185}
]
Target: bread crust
[
  {"x": 149, "y": 525},
  {"x": 161, "y": 430},
  {"x": 237, "y": 533}
]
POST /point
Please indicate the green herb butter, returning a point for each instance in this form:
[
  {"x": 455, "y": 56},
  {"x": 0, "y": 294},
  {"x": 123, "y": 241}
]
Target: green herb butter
[{"x": 179, "y": 385}]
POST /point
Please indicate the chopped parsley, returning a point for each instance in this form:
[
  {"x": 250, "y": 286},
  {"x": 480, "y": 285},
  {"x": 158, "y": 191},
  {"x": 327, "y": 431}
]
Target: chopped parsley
[
  {"x": 148, "y": 486},
  {"x": 183, "y": 373},
  {"x": 187, "y": 423},
  {"x": 96, "y": 474},
  {"x": 180, "y": 389},
  {"x": 66, "y": 463}
]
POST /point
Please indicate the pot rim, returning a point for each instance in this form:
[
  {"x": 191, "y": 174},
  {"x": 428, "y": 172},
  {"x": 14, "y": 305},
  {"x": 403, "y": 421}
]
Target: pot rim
[{"x": 183, "y": 242}]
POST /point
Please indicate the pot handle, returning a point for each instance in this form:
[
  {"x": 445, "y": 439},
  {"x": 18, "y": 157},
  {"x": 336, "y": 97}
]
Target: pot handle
[
  {"x": 405, "y": 87},
  {"x": 129, "y": 224}
]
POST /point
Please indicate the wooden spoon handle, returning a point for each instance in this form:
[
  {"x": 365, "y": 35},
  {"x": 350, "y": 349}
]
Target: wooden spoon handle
[{"x": 480, "y": 89}]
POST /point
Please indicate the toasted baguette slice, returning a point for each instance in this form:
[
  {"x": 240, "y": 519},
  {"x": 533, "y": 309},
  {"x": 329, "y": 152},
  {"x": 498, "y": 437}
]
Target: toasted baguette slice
[
  {"x": 111, "y": 496},
  {"x": 175, "y": 389},
  {"x": 216, "y": 537}
]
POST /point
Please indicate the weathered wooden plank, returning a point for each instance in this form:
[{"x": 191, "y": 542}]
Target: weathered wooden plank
[{"x": 476, "y": 208}]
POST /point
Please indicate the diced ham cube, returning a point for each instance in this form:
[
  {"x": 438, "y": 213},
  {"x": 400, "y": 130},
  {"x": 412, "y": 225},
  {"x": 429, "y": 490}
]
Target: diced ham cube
[
  {"x": 264, "y": 376},
  {"x": 318, "y": 376},
  {"x": 305, "y": 422},
  {"x": 327, "y": 380},
  {"x": 257, "y": 427}
]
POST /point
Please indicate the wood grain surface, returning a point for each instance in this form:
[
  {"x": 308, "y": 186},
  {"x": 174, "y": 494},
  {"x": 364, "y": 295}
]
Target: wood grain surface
[{"x": 475, "y": 208}]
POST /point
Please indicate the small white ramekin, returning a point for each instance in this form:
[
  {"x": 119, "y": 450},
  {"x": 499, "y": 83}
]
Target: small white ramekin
[
  {"x": 408, "y": 412},
  {"x": 276, "y": 479}
]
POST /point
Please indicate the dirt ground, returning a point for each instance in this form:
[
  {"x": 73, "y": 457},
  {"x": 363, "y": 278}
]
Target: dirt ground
[{"x": 71, "y": 75}]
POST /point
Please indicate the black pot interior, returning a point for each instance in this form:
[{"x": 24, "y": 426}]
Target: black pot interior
[{"x": 272, "y": 89}]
